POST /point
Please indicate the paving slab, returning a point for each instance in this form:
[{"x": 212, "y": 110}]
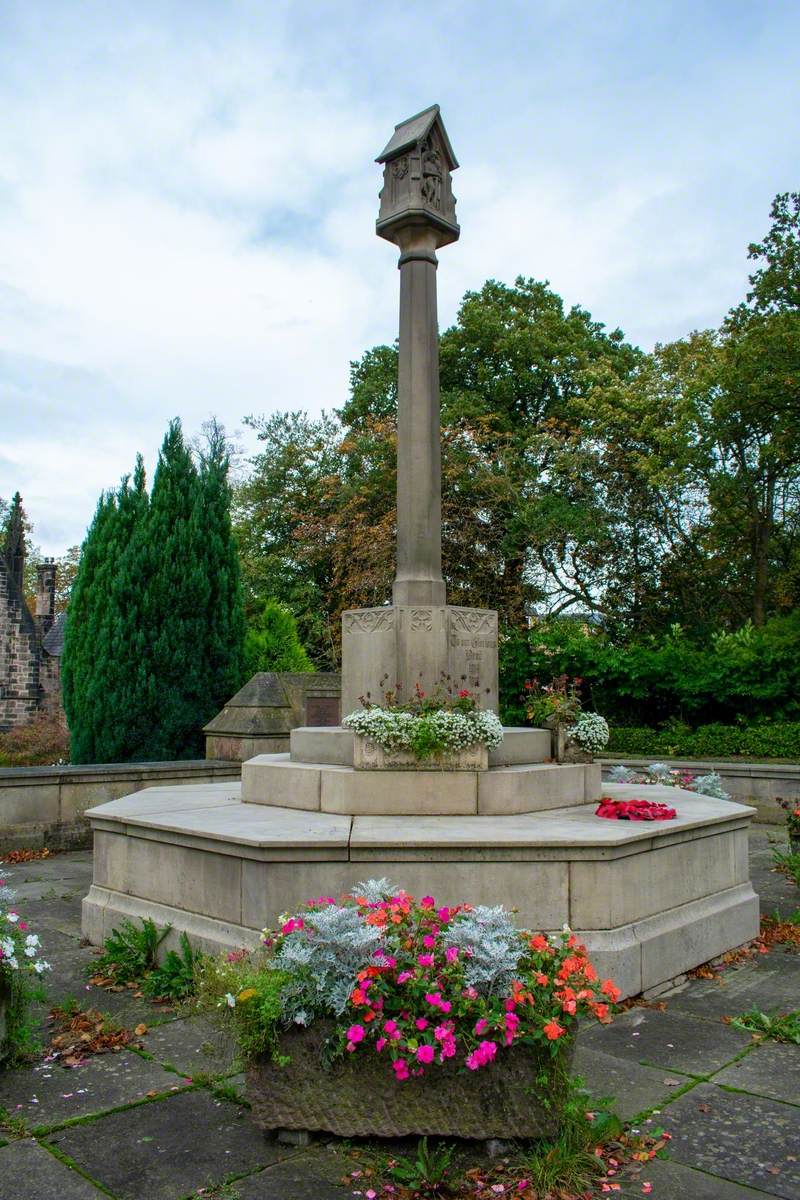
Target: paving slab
[
  {"x": 313, "y": 1175},
  {"x": 770, "y": 1069},
  {"x": 675, "y": 1041},
  {"x": 49, "y": 1093},
  {"x": 633, "y": 1088},
  {"x": 771, "y": 982},
  {"x": 192, "y": 1045},
  {"x": 167, "y": 1149},
  {"x": 29, "y": 1172},
  {"x": 671, "y": 1181},
  {"x": 743, "y": 1138}
]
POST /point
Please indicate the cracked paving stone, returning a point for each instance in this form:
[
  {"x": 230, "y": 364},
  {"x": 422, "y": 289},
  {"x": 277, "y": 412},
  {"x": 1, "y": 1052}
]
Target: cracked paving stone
[
  {"x": 770, "y": 983},
  {"x": 671, "y": 1181},
  {"x": 743, "y": 1138},
  {"x": 168, "y": 1149},
  {"x": 50, "y": 1093},
  {"x": 192, "y": 1046},
  {"x": 632, "y": 1088},
  {"x": 29, "y": 1172},
  {"x": 770, "y": 1069},
  {"x": 673, "y": 1041},
  {"x": 312, "y": 1175}
]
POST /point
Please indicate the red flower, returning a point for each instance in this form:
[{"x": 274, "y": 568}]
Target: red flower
[{"x": 553, "y": 1030}]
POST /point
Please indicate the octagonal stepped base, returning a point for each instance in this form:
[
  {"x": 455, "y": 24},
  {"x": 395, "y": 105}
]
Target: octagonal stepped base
[
  {"x": 651, "y": 900},
  {"x": 273, "y": 779}
]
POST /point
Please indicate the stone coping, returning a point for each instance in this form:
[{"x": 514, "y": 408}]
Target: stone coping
[
  {"x": 214, "y": 817},
  {"x": 76, "y": 772},
  {"x": 733, "y": 766}
]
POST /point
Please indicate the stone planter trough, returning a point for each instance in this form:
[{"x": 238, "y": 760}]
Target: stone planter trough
[
  {"x": 369, "y": 756},
  {"x": 565, "y": 750},
  {"x": 359, "y": 1097}
]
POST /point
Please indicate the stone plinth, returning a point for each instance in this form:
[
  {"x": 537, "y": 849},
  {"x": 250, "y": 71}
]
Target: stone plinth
[
  {"x": 424, "y": 644},
  {"x": 335, "y": 746},
  {"x": 650, "y": 899}
]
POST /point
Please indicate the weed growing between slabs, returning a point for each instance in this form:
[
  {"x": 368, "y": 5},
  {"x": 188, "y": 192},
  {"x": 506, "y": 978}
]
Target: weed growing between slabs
[
  {"x": 130, "y": 958},
  {"x": 779, "y": 1027}
]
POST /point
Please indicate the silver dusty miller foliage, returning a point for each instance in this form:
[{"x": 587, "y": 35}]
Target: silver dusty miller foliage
[
  {"x": 491, "y": 947},
  {"x": 324, "y": 959}
]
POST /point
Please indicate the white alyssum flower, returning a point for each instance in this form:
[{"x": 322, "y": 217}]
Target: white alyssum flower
[
  {"x": 457, "y": 730},
  {"x": 590, "y": 731}
]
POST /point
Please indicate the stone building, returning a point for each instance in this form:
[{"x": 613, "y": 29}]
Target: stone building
[{"x": 30, "y": 644}]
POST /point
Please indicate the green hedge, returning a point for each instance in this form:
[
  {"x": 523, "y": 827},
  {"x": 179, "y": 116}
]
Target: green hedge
[{"x": 776, "y": 739}]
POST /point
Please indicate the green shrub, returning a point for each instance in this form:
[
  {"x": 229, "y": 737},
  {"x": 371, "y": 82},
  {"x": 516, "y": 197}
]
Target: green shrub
[
  {"x": 272, "y": 643},
  {"x": 774, "y": 739},
  {"x": 739, "y": 675}
]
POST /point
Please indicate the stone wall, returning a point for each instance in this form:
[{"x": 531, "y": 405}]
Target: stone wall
[
  {"x": 19, "y": 654},
  {"x": 45, "y": 806}
]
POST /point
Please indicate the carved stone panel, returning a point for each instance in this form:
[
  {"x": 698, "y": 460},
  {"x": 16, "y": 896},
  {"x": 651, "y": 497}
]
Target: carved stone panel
[{"x": 472, "y": 651}]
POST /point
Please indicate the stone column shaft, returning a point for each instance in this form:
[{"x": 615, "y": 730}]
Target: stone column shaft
[{"x": 419, "y": 471}]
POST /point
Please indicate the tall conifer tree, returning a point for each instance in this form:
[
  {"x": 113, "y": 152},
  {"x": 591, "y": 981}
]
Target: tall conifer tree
[{"x": 155, "y": 630}]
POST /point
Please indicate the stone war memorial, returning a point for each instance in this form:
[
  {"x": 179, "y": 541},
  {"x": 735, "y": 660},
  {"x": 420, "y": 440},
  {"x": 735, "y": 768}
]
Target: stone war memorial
[{"x": 513, "y": 827}]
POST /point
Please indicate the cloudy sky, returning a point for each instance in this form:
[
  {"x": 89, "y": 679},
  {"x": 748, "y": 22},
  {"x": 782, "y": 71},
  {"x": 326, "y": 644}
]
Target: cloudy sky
[{"x": 187, "y": 195}]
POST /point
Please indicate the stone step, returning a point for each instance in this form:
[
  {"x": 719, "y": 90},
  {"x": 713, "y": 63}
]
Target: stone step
[
  {"x": 333, "y": 746},
  {"x": 275, "y": 779}
]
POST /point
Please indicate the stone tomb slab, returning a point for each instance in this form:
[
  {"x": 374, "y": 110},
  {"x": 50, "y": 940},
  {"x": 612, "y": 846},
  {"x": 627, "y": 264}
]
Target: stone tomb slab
[
  {"x": 29, "y": 1172},
  {"x": 167, "y": 1149},
  {"x": 744, "y": 1138},
  {"x": 771, "y": 1069},
  {"x": 669, "y": 1040},
  {"x": 49, "y": 1094}
]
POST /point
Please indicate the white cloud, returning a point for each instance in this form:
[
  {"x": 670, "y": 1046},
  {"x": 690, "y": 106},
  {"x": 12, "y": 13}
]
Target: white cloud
[{"x": 187, "y": 197}]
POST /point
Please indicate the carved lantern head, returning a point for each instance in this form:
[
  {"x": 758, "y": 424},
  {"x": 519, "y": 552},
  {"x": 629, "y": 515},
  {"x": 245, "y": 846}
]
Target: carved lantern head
[{"x": 417, "y": 190}]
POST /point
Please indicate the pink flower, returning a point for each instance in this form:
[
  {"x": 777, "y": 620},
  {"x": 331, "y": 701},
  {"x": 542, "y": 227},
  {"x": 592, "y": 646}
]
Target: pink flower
[
  {"x": 404, "y": 976},
  {"x": 481, "y": 1026},
  {"x": 425, "y": 1054},
  {"x": 400, "y": 1068},
  {"x": 292, "y": 924},
  {"x": 425, "y": 960},
  {"x": 511, "y": 1022},
  {"x": 429, "y": 941},
  {"x": 484, "y": 1054},
  {"x": 444, "y": 914},
  {"x": 427, "y": 902},
  {"x": 381, "y": 1042},
  {"x": 22, "y": 925},
  {"x": 421, "y": 1023},
  {"x": 391, "y": 1031},
  {"x": 356, "y": 1033},
  {"x": 451, "y": 953},
  {"x": 445, "y": 1006}
]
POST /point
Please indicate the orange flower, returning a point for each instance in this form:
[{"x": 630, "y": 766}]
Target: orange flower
[
  {"x": 542, "y": 980},
  {"x": 357, "y": 997},
  {"x": 539, "y": 942},
  {"x": 553, "y": 1030},
  {"x": 601, "y": 1011},
  {"x": 589, "y": 972},
  {"x": 608, "y": 988}
]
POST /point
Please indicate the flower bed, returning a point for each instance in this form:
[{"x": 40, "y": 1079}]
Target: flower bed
[
  {"x": 792, "y": 810},
  {"x": 362, "y": 1016},
  {"x": 708, "y": 784},
  {"x": 20, "y": 969},
  {"x": 634, "y": 810},
  {"x": 439, "y": 727}
]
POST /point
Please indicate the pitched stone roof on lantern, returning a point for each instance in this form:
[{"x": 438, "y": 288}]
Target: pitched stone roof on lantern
[
  {"x": 414, "y": 130},
  {"x": 53, "y": 640}
]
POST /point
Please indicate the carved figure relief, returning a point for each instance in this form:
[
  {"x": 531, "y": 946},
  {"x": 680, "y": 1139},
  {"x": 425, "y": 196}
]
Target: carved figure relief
[
  {"x": 431, "y": 175},
  {"x": 421, "y": 618},
  {"x": 369, "y": 620}
]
